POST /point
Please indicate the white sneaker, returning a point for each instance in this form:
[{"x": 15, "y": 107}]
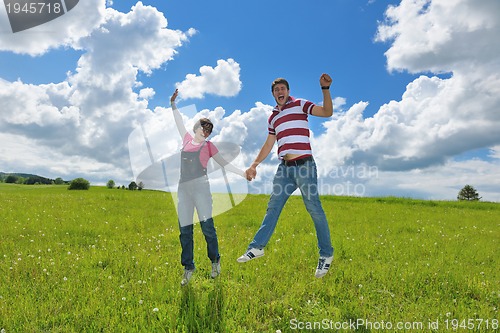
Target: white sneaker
[
  {"x": 188, "y": 273},
  {"x": 215, "y": 269},
  {"x": 251, "y": 254},
  {"x": 324, "y": 264}
]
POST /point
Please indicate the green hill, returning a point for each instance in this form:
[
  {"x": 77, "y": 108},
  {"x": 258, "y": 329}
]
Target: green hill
[
  {"x": 108, "y": 261},
  {"x": 29, "y": 179}
]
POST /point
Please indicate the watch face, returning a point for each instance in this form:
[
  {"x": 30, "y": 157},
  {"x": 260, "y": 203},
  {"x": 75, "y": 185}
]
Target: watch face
[{"x": 26, "y": 14}]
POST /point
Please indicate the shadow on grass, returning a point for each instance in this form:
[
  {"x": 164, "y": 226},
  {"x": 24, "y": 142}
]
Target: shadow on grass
[{"x": 201, "y": 313}]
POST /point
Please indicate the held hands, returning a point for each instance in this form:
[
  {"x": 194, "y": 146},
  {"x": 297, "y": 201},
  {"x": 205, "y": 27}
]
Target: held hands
[
  {"x": 251, "y": 173},
  {"x": 325, "y": 80}
]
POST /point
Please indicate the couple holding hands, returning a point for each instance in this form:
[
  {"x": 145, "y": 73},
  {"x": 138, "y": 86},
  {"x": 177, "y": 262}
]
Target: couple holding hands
[{"x": 288, "y": 127}]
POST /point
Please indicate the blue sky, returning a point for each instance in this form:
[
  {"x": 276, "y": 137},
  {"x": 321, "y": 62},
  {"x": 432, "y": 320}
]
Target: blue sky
[
  {"x": 416, "y": 86},
  {"x": 322, "y": 36}
]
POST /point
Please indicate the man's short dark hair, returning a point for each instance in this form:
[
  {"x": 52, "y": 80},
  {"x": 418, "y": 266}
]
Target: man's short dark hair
[{"x": 278, "y": 81}]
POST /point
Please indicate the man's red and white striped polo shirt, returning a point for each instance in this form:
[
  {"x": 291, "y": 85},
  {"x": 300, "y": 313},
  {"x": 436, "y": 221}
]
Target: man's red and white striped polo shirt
[{"x": 291, "y": 127}]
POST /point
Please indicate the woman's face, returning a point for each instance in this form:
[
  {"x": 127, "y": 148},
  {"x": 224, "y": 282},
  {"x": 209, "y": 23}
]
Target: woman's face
[{"x": 202, "y": 133}]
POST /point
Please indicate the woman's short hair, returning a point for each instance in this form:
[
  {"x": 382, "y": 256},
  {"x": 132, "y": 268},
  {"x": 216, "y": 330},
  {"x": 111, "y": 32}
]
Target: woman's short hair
[{"x": 204, "y": 123}]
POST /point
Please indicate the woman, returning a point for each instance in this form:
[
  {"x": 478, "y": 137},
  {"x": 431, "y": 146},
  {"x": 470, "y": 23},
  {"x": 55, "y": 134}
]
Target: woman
[{"x": 194, "y": 190}]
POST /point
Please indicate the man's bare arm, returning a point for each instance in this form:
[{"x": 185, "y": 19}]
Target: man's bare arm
[
  {"x": 264, "y": 152},
  {"x": 326, "y": 110}
]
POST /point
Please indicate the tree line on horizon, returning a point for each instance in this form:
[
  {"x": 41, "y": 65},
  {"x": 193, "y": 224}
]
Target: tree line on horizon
[
  {"x": 27, "y": 179},
  {"x": 467, "y": 193},
  {"x": 75, "y": 184}
]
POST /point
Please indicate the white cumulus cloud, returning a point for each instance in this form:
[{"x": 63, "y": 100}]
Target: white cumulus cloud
[
  {"x": 92, "y": 112},
  {"x": 65, "y": 30},
  {"x": 436, "y": 118},
  {"x": 221, "y": 80}
]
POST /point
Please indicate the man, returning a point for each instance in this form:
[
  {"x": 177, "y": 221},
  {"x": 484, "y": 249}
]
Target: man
[{"x": 288, "y": 126}]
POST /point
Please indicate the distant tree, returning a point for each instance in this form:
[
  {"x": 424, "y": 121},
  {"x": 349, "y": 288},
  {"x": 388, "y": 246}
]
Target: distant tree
[
  {"x": 37, "y": 180},
  {"x": 132, "y": 186},
  {"x": 140, "y": 186},
  {"x": 59, "y": 181},
  {"x": 110, "y": 184},
  {"x": 468, "y": 193},
  {"x": 30, "y": 181},
  {"x": 123, "y": 187},
  {"x": 79, "y": 184},
  {"x": 11, "y": 179}
]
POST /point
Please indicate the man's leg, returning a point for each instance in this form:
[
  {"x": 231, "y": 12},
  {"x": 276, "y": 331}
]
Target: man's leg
[
  {"x": 308, "y": 185},
  {"x": 283, "y": 187}
]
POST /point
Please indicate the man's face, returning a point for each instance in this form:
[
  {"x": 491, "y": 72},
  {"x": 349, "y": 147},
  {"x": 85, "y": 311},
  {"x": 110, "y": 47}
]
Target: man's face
[{"x": 281, "y": 94}]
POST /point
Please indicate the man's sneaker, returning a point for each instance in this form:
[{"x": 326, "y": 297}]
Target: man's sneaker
[
  {"x": 323, "y": 266},
  {"x": 215, "y": 269},
  {"x": 251, "y": 254},
  {"x": 188, "y": 273}
]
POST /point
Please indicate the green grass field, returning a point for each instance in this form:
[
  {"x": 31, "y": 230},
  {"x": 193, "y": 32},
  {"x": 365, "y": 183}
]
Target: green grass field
[{"x": 109, "y": 261}]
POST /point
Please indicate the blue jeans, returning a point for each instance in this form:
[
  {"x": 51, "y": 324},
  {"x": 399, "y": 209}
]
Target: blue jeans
[
  {"x": 286, "y": 180},
  {"x": 187, "y": 243},
  {"x": 196, "y": 194}
]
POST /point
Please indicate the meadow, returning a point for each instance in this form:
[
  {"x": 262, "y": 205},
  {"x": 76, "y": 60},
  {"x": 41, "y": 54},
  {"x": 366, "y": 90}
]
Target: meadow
[{"x": 108, "y": 260}]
